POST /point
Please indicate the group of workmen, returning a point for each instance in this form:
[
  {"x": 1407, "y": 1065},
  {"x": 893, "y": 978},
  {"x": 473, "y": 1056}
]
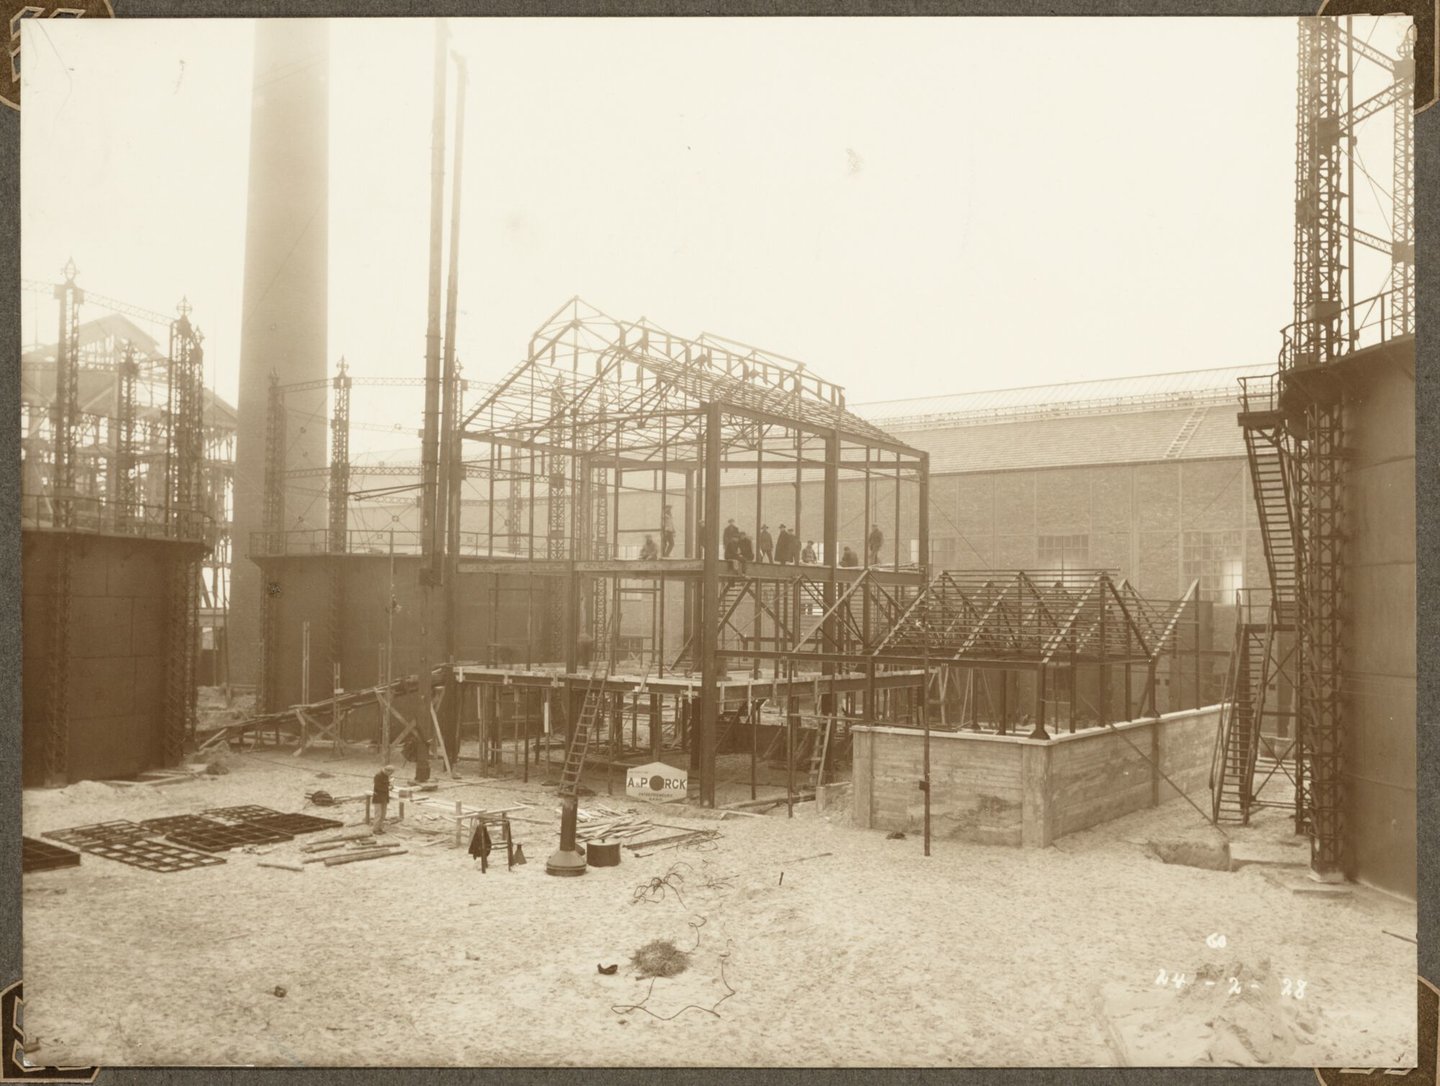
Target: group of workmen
[{"x": 739, "y": 549}]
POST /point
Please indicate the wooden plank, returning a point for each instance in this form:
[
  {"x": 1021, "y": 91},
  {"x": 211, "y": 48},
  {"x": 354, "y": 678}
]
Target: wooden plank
[
  {"x": 440, "y": 738},
  {"x": 369, "y": 854},
  {"x": 324, "y": 848},
  {"x": 280, "y": 866},
  {"x": 349, "y": 835},
  {"x": 751, "y": 803}
]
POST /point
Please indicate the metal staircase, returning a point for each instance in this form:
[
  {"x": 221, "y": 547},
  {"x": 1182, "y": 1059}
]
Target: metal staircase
[
  {"x": 731, "y": 590},
  {"x": 1232, "y": 772},
  {"x": 1258, "y": 657},
  {"x": 1263, "y": 426}
]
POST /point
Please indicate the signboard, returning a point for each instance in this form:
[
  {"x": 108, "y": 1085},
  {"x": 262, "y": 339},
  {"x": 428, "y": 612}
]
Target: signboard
[{"x": 657, "y": 780}]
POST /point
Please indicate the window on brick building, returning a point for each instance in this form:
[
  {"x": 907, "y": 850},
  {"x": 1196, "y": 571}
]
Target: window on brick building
[
  {"x": 1064, "y": 551},
  {"x": 1217, "y": 561}
]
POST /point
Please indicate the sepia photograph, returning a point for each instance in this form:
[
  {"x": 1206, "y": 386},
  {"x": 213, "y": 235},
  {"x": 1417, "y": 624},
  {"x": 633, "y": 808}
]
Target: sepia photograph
[{"x": 718, "y": 542}]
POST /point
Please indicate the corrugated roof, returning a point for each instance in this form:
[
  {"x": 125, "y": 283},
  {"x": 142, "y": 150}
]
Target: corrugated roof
[
  {"x": 1196, "y": 432},
  {"x": 1190, "y": 387}
]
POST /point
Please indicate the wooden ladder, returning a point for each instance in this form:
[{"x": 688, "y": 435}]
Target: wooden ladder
[
  {"x": 590, "y": 710},
  {"x": 822, "y": 749}
]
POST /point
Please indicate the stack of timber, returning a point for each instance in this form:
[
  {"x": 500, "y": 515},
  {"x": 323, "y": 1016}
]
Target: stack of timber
[{"x": 349, "y": 849}]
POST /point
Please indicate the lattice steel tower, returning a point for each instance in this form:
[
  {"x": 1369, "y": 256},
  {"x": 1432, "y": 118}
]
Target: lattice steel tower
[{"x": 1329, "y": 323}]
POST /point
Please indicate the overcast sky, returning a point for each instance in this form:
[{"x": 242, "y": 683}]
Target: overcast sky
[{"x": 911, "y": 206}]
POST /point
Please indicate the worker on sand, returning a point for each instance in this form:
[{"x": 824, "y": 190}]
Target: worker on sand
[{"x": 380, "y": 798}]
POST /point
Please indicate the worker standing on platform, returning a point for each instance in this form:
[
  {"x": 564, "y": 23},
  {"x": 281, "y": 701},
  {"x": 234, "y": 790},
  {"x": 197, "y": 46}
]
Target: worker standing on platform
[
  {"x": 873, "y": 542},
  {"x": 784, "y": 547},
  {"x": 808, "y": 555},
  {"x": 729, "y": 540},
  {"x": 380, "y": 798},
  {"x": 764, "y": 545},
  {"x": 667, "y": 533},
  {"x": 648, "y": 551}
]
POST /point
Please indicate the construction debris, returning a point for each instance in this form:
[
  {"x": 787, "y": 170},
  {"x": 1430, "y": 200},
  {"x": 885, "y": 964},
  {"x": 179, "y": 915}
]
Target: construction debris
[
  {"x": 674, "y": 839},
  {"x": 370, "y": 854},
  {"x": 306, "y": 723},
  {"x": 348, "y": 835}
]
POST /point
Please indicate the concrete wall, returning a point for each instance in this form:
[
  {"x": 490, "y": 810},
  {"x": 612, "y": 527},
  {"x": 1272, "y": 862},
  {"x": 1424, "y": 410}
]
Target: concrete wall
[
  {"x": 117, "y": 668},
  {"x": 1379, "y": 669},
  {"x": 976, "y": 790},
  {"x": 1007, "y": 790}
]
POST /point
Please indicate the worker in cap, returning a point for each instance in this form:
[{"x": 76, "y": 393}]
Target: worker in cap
[{"x": 380, "y": 798}]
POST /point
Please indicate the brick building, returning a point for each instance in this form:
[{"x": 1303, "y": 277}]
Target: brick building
[{"x": 1143, "y": 475}]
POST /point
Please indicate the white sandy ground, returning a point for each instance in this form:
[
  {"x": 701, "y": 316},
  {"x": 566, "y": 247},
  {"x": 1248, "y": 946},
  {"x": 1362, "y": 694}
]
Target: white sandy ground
[{"x": 873, "y": 955}]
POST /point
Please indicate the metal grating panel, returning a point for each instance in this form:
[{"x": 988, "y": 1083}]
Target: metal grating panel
[
  {"x": 222, "y": 837},
  {"x": 294, "y": 824},
  {"x": 100, "y": 833},
  {"x": 43, "y": 856},
  {"x": 152, "y": 855},
  {"x": 244, "y": 813},
  {"x": 172, "y": 823}
]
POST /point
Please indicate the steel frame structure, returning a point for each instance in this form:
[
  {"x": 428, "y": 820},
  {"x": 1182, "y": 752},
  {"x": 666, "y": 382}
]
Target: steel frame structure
[
  {"x": 599, "y": 402},
  {"x": 116, "y": 454},
  {"x": 1304, "y": 420},
  {"x": 64, "y": 414},
  {"x": 186, "y": 462},
  {"x": 602, "y": 408}
]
